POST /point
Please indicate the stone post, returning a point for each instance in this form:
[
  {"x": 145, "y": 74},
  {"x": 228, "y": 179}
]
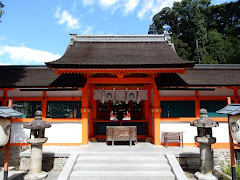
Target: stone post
[{"x": 36, "y": 155}]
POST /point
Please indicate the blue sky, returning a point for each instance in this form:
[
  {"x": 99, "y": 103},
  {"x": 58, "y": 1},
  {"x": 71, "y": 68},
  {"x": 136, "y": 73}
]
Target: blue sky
[{"x": 34, "y": 32}]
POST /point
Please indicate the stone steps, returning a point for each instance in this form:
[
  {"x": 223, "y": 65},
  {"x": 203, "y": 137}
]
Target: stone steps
[
  {"x": 122, "y": 154},
  {"x": 122, "y": 166},
  {"x": 122, "y": 175}
]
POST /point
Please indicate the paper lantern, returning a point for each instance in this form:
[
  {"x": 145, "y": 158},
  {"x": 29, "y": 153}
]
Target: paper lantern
[
  {"x": 5, "y": 126},
  {"x": 234, "y": 122}
]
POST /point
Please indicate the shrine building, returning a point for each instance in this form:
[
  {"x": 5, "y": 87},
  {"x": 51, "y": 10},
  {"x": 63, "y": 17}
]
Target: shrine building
[{"x": 119, "y": 80}]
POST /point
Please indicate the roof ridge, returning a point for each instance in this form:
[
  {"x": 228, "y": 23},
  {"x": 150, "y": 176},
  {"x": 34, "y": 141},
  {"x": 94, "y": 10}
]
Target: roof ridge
[
  {"x": 217, "y": 66},
  {"x": 120, "y": 38}
]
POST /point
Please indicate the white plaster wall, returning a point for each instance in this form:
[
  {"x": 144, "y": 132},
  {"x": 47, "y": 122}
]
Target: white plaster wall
[
  {"x": 188, "y": 131},
  {"x": 1, "y": 93},
  {"x": 64, "y": 93},
  {"x": 62, "y": 132},
  {"x": 18, "y": 133},
  {"x": 218, "y": 92},
  {"x": 164, "y": 93},
  {"x": 18, "y": 93},
  {"x": 221, "y": 132}
]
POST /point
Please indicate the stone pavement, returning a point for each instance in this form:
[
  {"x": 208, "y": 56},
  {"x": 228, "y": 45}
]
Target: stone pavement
[
  {"x": 12, "y": 174},
  {"x": 65, "y": 151}
]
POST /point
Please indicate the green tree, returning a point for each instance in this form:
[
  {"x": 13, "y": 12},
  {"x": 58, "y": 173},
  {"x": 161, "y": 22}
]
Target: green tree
[
  {"x": 219, "y": 49},
  {"x": 1, "y": 11},
  {"x": 202, "y": 33}
]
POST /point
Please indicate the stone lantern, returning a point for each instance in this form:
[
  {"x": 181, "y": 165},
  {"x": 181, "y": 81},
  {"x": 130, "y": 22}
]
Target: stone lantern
[
  {"x": 37, "y": 138},
  {"x": 204, "y": 138}
]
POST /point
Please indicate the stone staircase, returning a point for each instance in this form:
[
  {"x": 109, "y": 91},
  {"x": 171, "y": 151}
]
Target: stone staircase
[{"x": 122, "y": 166}]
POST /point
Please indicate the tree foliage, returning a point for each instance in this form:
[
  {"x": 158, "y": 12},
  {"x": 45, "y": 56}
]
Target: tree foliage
[
  {"x": 200, "y": 32},
  {"x": 1, "y": 11}
]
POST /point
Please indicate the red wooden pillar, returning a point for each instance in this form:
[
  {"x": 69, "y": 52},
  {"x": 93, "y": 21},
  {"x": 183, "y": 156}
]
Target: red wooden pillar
[
  {"x": 236, "y": 100},
  {"x": 93, "y": 111},
  {"x": 231, "y": 146},
  {"x": 44, "y": 105},
  {"x": 197, "y": 105},
  {"x": 149, "y": 113},
  {"x": 4, "y": 102},
  {"x": 156, "y": 114},
  {"x": 85, "y": 113}
]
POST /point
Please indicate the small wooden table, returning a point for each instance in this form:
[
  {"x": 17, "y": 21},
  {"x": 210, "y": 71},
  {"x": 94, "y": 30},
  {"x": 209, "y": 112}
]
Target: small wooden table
[
  {"x": 121, "y": 133},
  {"x": 173, "y": 136}
]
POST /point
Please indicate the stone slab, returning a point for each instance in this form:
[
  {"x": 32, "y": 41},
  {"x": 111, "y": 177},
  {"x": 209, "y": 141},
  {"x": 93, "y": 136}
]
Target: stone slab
[
  {"x": 119, "y": 161},
  {"x": 176, "y": 169},
  {"x": 122, "y": 167},
  {"x": 67, "y": 169},
  {"x": 141, "y": 147},
  {"x": 122, "y": 175}
]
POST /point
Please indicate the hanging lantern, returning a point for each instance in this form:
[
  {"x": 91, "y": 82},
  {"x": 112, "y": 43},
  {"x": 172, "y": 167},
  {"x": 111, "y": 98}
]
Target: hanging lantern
[
  {"x": 5, "y": 123},
  {"x": 5, "y": 126},
  {"x": 233, "y": 110},
  {"x": 234, "y": 122}
]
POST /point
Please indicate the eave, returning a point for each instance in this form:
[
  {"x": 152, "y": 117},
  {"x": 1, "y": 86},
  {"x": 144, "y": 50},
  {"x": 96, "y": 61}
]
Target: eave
[{"x": 120, "y": 72}]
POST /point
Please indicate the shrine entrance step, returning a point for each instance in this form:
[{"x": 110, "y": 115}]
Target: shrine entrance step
[{"x": 123, "y": 165}]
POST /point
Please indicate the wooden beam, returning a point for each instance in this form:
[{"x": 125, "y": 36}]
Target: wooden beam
[
  {"x": 120, "y": 80},
  {"x": 152, "y": 71}
]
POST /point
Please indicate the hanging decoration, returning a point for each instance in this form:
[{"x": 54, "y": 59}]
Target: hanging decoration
[
  {"x": 132, "y": 95},
  {"x": 103, "y": 96},
  {"x": 138, "y": 99},
  {"x": 126, "y": 97},
  {"x": 114, "y": 95}
]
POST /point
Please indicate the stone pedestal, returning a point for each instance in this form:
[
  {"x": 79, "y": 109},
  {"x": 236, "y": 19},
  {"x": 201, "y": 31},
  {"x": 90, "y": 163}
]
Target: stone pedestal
[
  {"x": 36, "y": 172},
  {"x": 206, "y": 158}
]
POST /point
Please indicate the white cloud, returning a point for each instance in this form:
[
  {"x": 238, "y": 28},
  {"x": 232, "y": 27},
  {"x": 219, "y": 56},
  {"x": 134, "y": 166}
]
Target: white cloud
[
  {"x": 87, "y": 30},
  {"x": 88, "y": 2},
  {"x": 147, "y": 6},
  {"x": 5, "y": 64},
  {"x": 107, "y": 3},
  {"x": 144, "y": 8},
  {"x": 64, "y": 17},
  {"x": 130, "y": 5},
  {"x": 25, "y": 55},
  {"x": 151, "y": 7},
  {"x": 160, "y": 4}
]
